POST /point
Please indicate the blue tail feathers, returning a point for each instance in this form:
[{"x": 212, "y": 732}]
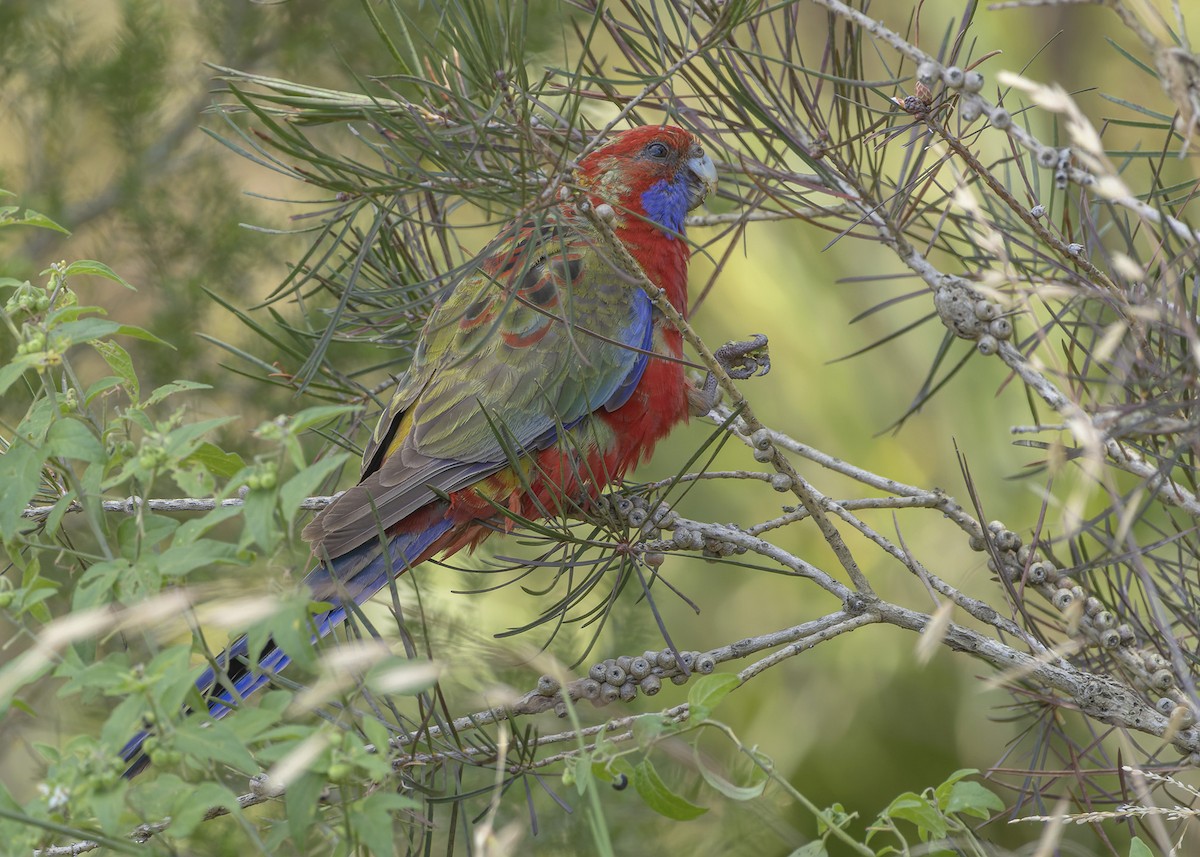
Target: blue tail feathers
[{"x": 353, "y": 577}]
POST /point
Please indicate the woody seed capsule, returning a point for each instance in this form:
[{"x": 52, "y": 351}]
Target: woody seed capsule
[
  {"x": 547, "y": 685},
  {"x": 1162, "y": 680}
]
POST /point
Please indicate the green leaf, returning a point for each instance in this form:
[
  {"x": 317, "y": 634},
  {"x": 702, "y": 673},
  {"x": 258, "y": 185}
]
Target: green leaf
[
  {"x": 708, "y": 691},
  {"x": 183, "y": 558},
  {"x": 215, "y": 460},
  {"x": 258, "y": 515},
  {"x": 29, "y": 218},
  {"x": 291, "y": 629},
  {"x": 1138, "y": 848},
  {"x": 661, "y": 799},
  {"x": 20, "y": 474},
  {"x": 973, "y": 799},
  {"x": 320, "y": 414},
  {"x": 165, "y": 390},
  {"x": 816, "y": 848},
  {"x": 647, "y": 730},
  {"x": 942, "y": 792},
  {"x": 834, "y": 817},
  {"x": 141, "y": 333},
  {"x": 194, "y": 805},
  {"x": 86, "y": 329},
  {"x": 101, "y": 386},
  {"x": 725, "y": 787},
  {"x": 119, "y": 361},
  {"x": 71, "y": 438},
  {"x": 183, "y": 441},
  {"x": 913, "y": 808},
  {"x": 213, "y": 741},
  {"x": 109, "y": 804},
  {"x": 377, "y": 734},
  {"x": 12, "y": 372},
  {"x": 301, "y": 802},
  {"x": 95, "y": 269},
  {"x": 373, "y": 820},
  {"x": 98, "y": 582},
  {"x": 136, "y": 535},
  {"x": 305, "y": 482}
]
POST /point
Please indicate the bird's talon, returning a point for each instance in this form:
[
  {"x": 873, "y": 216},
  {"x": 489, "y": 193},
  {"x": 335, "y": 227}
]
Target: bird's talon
[{"x": 746, "y": 358}]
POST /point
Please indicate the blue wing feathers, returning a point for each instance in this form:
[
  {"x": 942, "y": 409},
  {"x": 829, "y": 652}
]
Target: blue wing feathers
[{"x": 641, "y": 335}]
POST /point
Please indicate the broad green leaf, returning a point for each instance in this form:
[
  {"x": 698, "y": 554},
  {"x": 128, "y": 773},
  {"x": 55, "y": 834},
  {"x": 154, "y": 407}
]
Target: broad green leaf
[
  {"x": 137, "y": 536},
  {"x": 258, "y": 516},
  {"x": 109, "y": 805},
  {"x": 20, "y": 474},
  {"x": 920, "y": 812},
  {"x": 816, "y": 848},
  {"x": 103, "y": 385},
  {"x": 973, "y": 798},
  {"x": 707, "y": 692},
  {"x": 182, "y": 442},
  {"x": 216, "y": 461},
  {"x": 661, "y": 799},
  {"x": 11, "y": 373},
  {"x": 33, "y": 218},
  {"x": 582, "y": 776},
  {"x": 942, "y": 792},
  {"x": 95, "y": 269},
  {"x": 377, "y": 734},
  {"x": 141, "y": 333},
  {"x": 119, "y": 361},
  {"x": 213, "y": 741},
  {"x": 182, "y": 558},
  {"x": 71, "y": 438},
  {"x": 1138, "y": 848},
  {"x": 85, "y": 330},
  {"x": 373, "y": 823},
  {"x": 193, "y": 807},
  {"x": 301, "y": 802},
  {"x": 98, "y": 581}
]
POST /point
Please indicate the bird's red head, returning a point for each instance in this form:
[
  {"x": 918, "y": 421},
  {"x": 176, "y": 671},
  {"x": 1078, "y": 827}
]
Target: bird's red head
[{"x": 657, "y": 173}]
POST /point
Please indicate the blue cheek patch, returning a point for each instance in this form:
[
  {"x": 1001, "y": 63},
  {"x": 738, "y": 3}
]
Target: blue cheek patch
[{"x": 666, "y": 204}]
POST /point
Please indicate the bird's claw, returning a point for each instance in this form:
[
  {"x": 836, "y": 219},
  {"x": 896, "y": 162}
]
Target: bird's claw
[
  {"x": 740, "y": 360},
  {"x": 746, "y": 358}
]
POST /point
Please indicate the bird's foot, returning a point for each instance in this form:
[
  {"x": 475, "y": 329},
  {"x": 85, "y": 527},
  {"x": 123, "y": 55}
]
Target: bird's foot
[
  {"x": 746, "y": 358},
  {"x": 740, "y": 359}
]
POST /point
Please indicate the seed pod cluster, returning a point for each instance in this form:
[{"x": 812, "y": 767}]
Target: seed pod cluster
[
  {"x": 624, "y": 677},
  {"x": 954, "y": 76}
]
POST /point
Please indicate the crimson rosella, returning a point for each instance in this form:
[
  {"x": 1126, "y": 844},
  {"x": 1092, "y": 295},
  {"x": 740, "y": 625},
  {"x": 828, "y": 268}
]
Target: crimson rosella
[{"x": 547, "y": 356}]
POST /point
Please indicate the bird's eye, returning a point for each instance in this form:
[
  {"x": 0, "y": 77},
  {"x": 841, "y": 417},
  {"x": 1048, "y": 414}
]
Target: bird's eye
[{"x": 658, "y": 151}]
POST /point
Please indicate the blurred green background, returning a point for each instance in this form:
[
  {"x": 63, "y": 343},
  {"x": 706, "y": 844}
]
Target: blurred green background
[{"x": 102, "y": 106}]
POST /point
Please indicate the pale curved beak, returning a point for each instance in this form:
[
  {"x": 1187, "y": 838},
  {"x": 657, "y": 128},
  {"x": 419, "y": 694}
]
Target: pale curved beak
[{"x": 703, "y": 178}]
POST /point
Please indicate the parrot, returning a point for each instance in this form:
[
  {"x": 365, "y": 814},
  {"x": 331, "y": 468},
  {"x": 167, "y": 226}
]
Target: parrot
[{"x": 543, "y": 373}]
